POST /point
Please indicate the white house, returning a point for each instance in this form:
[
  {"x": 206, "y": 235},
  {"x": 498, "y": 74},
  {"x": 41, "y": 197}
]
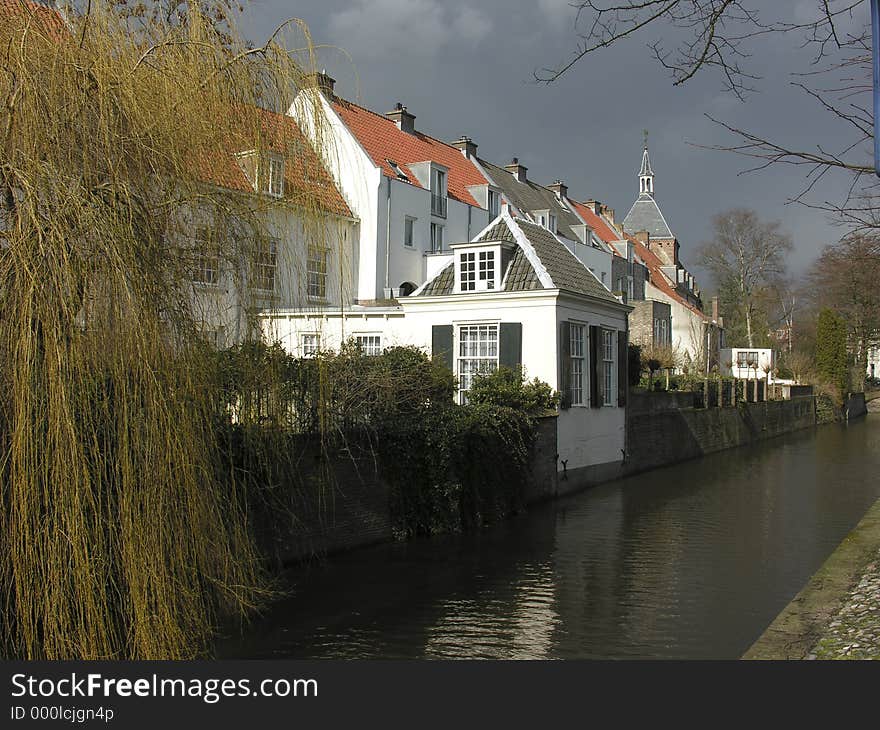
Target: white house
[
  {"x": 285, "y": 255},
  {"x": 412, "y": 193},
  {"x": 512, "y": 296},
  {"x": 748, "y": 362}
]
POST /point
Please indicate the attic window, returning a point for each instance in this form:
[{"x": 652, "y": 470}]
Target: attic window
[
  {"x": 275, "y": 177},
  {"x": 401, "y": 175},
  {"x": 477, "y": 270}
]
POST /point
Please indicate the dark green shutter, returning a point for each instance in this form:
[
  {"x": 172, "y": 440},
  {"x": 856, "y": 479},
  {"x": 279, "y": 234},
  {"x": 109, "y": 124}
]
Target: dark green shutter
[
  {"x": 510, "y": 345},
  {"x": 565, "y": 364},
  {"x": 441, "y": 344},
  {"x": 622, "y": 367},
  {"x": 596, "y": 368}
]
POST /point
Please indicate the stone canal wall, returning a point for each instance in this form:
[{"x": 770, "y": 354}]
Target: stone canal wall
[
  {"x": 657, "y": 436},
  {"x": 349, "y": 506}
]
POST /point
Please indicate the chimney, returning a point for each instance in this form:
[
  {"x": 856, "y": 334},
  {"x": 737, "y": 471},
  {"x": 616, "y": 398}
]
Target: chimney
[
  {"x": 594, "y": 205},
  {"x": 608, "y": 213},
  {"x": 560, "y": 188},
  {"x": 320, "y": 80},
  {"x": 467, "y": 146},
  {"x": 405, "y": 121},
  {"x": 715, "y": 309},
  {"x": 517, "y": 170}
]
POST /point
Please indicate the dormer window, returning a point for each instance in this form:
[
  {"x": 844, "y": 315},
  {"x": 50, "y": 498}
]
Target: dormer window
[
  {"x": 438, "y": 192},
  {"x": 264, "y": 172},
  {"x": 545, "y": 219},
  {"x": 477, "y": 270},
  {"x": 275, "y": 177},
  {"x": 494, "y": 204}
]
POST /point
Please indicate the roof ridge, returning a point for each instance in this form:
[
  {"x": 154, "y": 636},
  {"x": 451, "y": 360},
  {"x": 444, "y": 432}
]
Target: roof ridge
[{"x": 386, "y": 119}]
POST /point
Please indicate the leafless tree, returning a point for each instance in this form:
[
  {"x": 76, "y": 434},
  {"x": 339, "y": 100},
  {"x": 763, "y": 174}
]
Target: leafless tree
[
  {"x": 745, "y": 256},
  {"x": 720, "y": 36},
  {"x": 845, "y": 278}
]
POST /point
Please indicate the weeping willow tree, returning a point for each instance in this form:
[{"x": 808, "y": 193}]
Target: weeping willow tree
[{"x": 119, "y": 534}]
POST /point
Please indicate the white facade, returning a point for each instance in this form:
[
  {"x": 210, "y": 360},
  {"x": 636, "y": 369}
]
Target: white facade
[
  {"x": 748, "y": 362},
  {"x": 304, "y": 265},
  {"x": 386, "y": 260},
  {"x": 588, "y": 435}
]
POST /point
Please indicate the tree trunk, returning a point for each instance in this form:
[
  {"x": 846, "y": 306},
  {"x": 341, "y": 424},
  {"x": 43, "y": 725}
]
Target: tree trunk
[{"x": 749, "y": 335}]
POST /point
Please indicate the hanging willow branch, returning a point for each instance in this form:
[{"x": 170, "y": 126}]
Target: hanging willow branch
[{"x": 120, "y": 535}]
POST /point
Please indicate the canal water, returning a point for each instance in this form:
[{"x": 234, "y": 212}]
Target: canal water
[{"x": 693, "y": 561}]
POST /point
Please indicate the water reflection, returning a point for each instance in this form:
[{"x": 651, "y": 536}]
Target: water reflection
[{"x": 689, "y": 561}]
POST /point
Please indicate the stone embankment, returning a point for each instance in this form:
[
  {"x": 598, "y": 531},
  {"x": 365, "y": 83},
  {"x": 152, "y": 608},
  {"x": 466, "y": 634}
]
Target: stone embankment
[
  {"x": 854, "y": 633},
  {"x": 837, "y": 614}
]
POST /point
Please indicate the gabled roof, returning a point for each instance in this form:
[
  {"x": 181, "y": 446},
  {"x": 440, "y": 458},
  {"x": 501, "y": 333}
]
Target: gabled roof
[
  {"x": 657, "y": 278},
  {"x": 384, "y": 141},
  {"x": 529, "y": 196},
  {"x": 306, "y": 181},
  {"x": 540, "y": 261},
  {"x": 645, "y": 215},
  {"x": 42, "y": 17},
  {"x": 605, "y": 232}
]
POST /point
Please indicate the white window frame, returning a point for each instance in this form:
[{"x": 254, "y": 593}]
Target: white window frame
[
  {"x": 551, "y": 223},
  {"x": 316, "y": 272},
  {"x": 275, "y": 176},
  {"x": 608, "y": 353},
  {"x": 493, "y": 204},
  {"x": 467, "y": 270},
  {"x": 577, "y": 345},
  {"x": 370, "y": 343},
  {"x": 206, "y": 268},
  {"x": 409, "y": 231},
  {"x": 486, "y": 270},
  {"x": 477, "y": 349},
  {"x": 436, "y": 236},
  {"x": 309, "y": 344},
  {"x": 265, "y": 269}
]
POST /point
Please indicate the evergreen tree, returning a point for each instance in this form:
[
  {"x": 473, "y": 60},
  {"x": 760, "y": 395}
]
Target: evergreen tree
[{"x": 832, "y": 361}]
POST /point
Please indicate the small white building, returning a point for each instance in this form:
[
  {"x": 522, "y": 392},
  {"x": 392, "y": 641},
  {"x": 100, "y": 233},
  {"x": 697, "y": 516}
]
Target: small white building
[
  {"x": 748, "y": 362},
  {"x": 513, "y": 296}
]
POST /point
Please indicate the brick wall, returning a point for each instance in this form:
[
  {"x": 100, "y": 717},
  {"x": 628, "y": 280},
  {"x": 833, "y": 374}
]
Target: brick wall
[{"x": 641, "y": 320}]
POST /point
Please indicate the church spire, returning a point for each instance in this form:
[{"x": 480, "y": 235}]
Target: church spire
[{"x": 646, "y": 174}]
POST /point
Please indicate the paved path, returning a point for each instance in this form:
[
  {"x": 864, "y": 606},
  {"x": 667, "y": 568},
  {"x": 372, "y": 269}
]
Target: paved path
[
  {"x": 837, "y": 614},
  {"x": 854, "y": 633}
]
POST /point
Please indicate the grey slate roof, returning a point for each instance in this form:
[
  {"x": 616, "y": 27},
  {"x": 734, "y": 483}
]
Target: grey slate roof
[
  {"x": 499, "y": 232},
  {"x": 440, "y": 284},
  {"x": 565, "y": 269},
  {"x": 645, "y": 215},
  {"x": 530, "y": 196}
]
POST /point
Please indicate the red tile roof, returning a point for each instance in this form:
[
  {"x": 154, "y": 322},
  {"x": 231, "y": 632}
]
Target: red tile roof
[
  {"x": 306, "y": 181},
  {"x": 44, "y": 18},
  {"x": 383, "y": 141},
  {"x": 599, "y": 226},
  {"x": 658, "y": 278}
]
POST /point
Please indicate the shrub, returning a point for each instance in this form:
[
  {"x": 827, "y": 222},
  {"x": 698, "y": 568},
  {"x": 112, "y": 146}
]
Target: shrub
[{"x": 509, "y": 388}]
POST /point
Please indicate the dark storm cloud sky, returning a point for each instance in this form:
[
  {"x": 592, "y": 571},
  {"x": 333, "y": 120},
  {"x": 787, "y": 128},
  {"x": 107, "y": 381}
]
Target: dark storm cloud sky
[{"x": 466, "y": 67}]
